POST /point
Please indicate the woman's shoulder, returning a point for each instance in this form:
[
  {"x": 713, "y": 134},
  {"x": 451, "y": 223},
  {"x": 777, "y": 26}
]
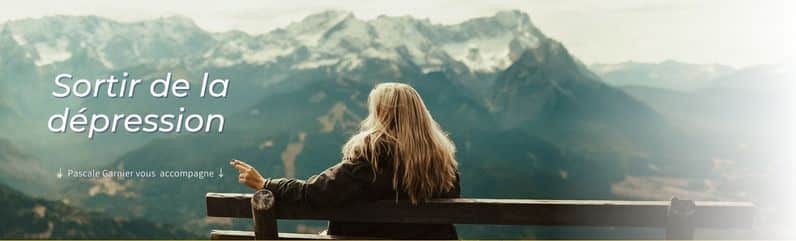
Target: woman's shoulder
[{"x": 379, "y": 148}]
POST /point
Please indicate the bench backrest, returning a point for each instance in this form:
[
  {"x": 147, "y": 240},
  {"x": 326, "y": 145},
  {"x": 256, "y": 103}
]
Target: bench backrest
[{"x": 679, "y": 217}]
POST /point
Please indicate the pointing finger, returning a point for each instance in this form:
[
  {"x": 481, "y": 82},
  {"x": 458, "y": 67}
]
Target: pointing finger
[
  {"x": 245, "y": 164},
  {"x": 239, "y": 162},
  {"x": 240, "y": 167}
]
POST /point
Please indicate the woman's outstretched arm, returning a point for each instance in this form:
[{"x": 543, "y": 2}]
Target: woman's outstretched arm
[{"x": 335, "y": 186}]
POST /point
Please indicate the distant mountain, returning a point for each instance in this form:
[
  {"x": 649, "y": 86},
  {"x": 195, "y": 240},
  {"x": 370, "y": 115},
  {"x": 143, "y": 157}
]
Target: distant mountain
[
  {"x": 772, "y": 79},
  {"x": 755, "y": 102},
  {"x": 32, "y": 218},
  {"x": 672, "y": 75}
]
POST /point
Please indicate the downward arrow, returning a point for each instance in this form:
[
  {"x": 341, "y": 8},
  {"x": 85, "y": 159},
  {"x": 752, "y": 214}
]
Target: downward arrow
[{"x": 221, "y": 172}]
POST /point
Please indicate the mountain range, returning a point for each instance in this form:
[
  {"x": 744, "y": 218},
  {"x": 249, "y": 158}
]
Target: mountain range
[
  {"x": 529, "y": 119},
  {"x": 670, "y": 74}
]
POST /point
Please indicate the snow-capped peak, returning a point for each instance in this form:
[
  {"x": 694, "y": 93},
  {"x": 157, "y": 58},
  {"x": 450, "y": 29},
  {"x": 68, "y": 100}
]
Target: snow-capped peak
[
  {"x": 114, "y": 44},
  {"x": 326, "y": 38},
  {"x": 312, "y": 28}
]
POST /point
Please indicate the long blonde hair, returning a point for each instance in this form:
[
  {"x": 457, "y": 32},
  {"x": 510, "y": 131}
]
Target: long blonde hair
[{"x": 422, "y": 154}]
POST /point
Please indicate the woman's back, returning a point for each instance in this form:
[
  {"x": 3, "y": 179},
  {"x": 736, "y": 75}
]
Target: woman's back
[
  {"x": 382, "y": 189},
  {"x": 351, "y": 182}
]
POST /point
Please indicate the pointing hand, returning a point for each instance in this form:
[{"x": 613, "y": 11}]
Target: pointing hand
[{"x": 248, "y": 175}]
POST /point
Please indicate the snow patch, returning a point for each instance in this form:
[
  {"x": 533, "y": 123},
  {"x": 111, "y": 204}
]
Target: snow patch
[
  {"x": 349, "y": 64},
  {"x": 265, "y": 55},
  {"x": 223, "y": 62},
  {"x": 310, "y": 30},
  {"x": 105, "y": 61},
  {"x": 311, "y": 64},
  {"x": 482, "y": 54},
  {"x": 19, "y": 39},
  {"x": 385, "y": 54},
  {"x": 50, "y": 54}
]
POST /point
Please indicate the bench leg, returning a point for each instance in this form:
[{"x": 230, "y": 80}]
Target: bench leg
[
  {"x": 679, "y": 224},
  {"x": 264, "y": 216}
]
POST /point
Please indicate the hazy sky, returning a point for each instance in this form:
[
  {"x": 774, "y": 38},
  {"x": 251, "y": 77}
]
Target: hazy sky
[{"x": 738, "y": 33}]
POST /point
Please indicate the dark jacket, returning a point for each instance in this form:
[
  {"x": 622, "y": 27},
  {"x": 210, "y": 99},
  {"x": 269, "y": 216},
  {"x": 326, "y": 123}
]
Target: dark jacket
[{"x": 351, "y": 182}]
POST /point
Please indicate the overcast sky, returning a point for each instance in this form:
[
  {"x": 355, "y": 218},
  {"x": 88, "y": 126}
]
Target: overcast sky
[{"x": 738, "y": 33}]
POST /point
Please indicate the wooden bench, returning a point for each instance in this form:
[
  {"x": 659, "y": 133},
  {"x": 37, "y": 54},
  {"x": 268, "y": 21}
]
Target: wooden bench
[{"x": 678, "y": 217}]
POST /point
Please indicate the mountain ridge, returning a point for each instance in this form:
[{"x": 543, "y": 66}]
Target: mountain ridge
[
  {"x": 308, "y": 32},
  {"x": 669, "y": 74}
]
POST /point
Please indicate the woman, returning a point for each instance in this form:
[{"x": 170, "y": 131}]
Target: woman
[{"x": 400, "y": 152}]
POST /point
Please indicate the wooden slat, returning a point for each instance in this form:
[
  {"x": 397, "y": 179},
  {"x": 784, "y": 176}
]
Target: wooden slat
[
  {"x": 500, "y": 211},
  {"x": 249, "y": 235},
  {"x": 231, "y": 235}
]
